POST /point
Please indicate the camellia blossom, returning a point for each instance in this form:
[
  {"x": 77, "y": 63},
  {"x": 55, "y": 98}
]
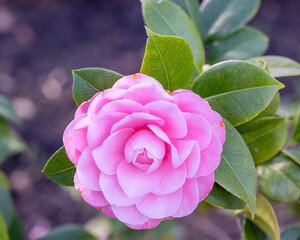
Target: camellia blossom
[{"x": 144, "y": 154}]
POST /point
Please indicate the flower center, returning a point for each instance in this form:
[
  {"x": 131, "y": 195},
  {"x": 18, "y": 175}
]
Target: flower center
[{"x": 142, "y": 159}]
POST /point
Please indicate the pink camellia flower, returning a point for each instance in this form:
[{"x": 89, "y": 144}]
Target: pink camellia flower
[{"x": 144, "y": 154}]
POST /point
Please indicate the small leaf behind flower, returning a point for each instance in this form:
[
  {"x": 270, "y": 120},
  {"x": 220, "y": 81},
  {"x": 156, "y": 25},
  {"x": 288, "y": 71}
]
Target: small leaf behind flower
[
  {"x": 291, "y": 233},
  {"x": 60, "y": 169},
  {"x": 252, "y": 232},
  {"x": 3, "y": 229}
]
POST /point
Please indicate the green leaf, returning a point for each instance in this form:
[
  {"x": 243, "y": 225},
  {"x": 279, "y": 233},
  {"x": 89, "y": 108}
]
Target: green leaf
[
  {"x": 224, "y": 17},
  {"x": 7, "y": 111},
  {"x": 220, "y": 197},
  {"x": 279, "y": 179},
  {"x": 244, "y": 44},
  {"x": 271, "y": 110},
  {"x": 236, "y": 172},
  {"x": 3, "y": 229},
  {"x": 68, "y": 232},
  {"x": 265, "y": 136},
  {"x": 15, "y": 230},
  {"x": 279, "y": 66},
  {"x": 60, "y": 169},
  {"x": 238, "y": 90},
  {"x": 167, "y": 18},
  {"x": 4, "y": 181},
  {"x": 296, "y": 135},
  {"x": 265, "y": 217},
  {"x": 192, "y": 8},
  {"x": 290, "y": 233},
  {"x": 6, "y": 207},
  {"x": 169, "y": 60},
  {"x": 88, "y": 81},
  {"x": 293, "y": 153},
  {"x": 252, "y": 232}
]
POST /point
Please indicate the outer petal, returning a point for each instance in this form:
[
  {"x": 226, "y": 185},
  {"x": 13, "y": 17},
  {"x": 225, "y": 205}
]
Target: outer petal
[
  {"x": 190, "y": 198},
  {"x": 79, "y": 134},
  {"x": 205, "y": 185},
  {"x": 107, "y": 211},
  {"x": 129, "y": 81},
  {"x": 160, "y": 206},
  {"x": 99, "y": 128},
  {"x": 193, "y": 161},
  {"x": 210, "y": 157},
  {"x": 147, "y": 92},
  {"x": 113, "y": 192},
  {"x": 136, "y": 182},
  {"x": 218, "y": 127},
  {"x": 111, "y": 153},
  {"x": 184, "y": 148},
  {"x": 151, "y": 223},
  {"x": 198, "y": 129},
  {"x": 87, "y": 171},
  {"x": 175, "y": 124},
  {"x": 98, "y": 102},
  {"x": 123, "y": 106},
  {"x": 129, "y": 215},
  {"x": 83, "y": 108},
  {"x": 193, "y": 103}
]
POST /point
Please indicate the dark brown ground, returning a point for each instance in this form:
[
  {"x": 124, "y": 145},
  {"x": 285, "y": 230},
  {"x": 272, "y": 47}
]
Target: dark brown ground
[{"x": 41, "y": 42}]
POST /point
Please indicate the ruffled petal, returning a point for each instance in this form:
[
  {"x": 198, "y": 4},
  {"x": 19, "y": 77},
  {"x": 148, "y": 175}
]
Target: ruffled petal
[
  {"x": 193, "y": 161},
  {"x": 123, "y": 106},
  {"x": 184, "y": 148},
  {"x": 218, "y": 127},
  {"x": 129, "y": 215},
  {"x": 205, "y": 185},
  {"x": 159, "y": 133},
  {"x": 98, "y": 102}
]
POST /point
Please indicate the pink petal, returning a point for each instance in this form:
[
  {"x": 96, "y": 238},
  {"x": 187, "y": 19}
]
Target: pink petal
[
  {"x": 123, "y": 106},
  {"x": 108, "y": 212},
  {"x": 109, "y": 155},
  {"x": 159, "y": 133},
  {"x": 129, "y": 81},
  {"x": 97, "y": 103},
  {"x": 114, "y": 93},
  {"x": 79, "y": 133},
  {"x": 172, "y": 179},
  {"x": 137, "y": 121},
  {"x": 210, "y": 157},
  {"x": 193, "y": 103},
  {"x": 151, "y": 223},
  {"x": 83, "y": 108},
  {"x": 218, "y": 127},
  {"x": 147, "y": 92},
  {"x": 136, "y": 182},
  {"x": 205, "y": 185},
  {"x": 190, "y": 198},
  {"x": 87, "y": 171},
  {"x": 129, "y": 215},
  {"x": 193, "y": 161},
  {"x": 113, "y": 192},
  {"x": 198, "y": 129},
  {"x": 184, "y": 148},
  {"x": 160, "y": 206},
  {"x": 99, "y": 128}
]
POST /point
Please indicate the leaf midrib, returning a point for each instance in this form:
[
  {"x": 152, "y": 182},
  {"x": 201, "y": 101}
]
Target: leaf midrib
[
  {"x": 60, "y": 171},
  {"x": 98, "y": 90}
]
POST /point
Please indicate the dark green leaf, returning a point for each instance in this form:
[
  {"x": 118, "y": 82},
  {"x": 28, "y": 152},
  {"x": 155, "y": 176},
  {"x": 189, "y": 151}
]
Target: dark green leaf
[
  {"x": 60, "y": 169},
  {"x": 68, "y": 232},
  {"x": 279, "y": 179},
  {"x": 252, "y": 232},
  {"x": 265, "y": 136},
  {"x": 7, "y": 111},
  {"x": 279, "y": 66},
  {"x": 236, "y": 172},
  {"x": 220, "y": 197},
  {"x": 296, "y": 135},
  {"x": 88, "y": 81},
  {"x": 293, "y": 153},
  {"x": 3, "y": 229},
  {"x": 246, "y": 43},
  {"x": 169, "y": 60},
  {"x": 4, "y": 181},
  {"x": 223, "y": 17},
  {"x": 167, "y": 18},
  {"x": 15, "y": 230},
  {"x": 238, "y": 90},
  {"x": 290, "y": 233},
  {"x": 6, "y": 207}
]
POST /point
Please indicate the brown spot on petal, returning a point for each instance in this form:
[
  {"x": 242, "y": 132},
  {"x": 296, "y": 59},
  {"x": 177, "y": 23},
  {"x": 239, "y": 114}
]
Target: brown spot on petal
[
  {"x": 168, "y": 92},
  {"x": 222, "y": 124},
  {"x": 135, "y": 76}
]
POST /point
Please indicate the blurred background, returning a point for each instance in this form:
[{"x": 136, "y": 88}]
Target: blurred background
[{"x": 40, "y": 43}]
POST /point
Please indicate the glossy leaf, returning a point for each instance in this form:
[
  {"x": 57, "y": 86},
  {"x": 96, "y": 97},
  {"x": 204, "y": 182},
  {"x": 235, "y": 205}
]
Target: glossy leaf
[
  {"x": 169, "y": 60},
  {"x": 4, "y": 181},
  {"x": 15, "y": 230},
  {"x": 293, "y": 153},
  {"x": 74, "y": 232},
  {"x": 192, "y": 8},
  {"x": 6, "y": 207},
  {"x": 279, "y": 179},
  {"x": 291, "y": 233},
  {"x": 271, "y": 110},
  {"x": 167, "y": 18},
  {"x": 220, "y": 197},
  {"x": 236, "y": 172},
  {"x": 265, "y": 217},
  {"x": 265, "y": 136},
  {"x": 88, "y": 81},
  {"x": 244, "y": 44},
  {"x": 252, "y": 232},
  {"x": 238, "y": 90},
  {"x": 60, "y": 169},
  {"x": 279, "y": 66},
  {"x": 3, "y": 229},
  {"x": 296, "y": 135},
  {"x": 224, "y": 17},
  {"x": 7, "y": 111}
]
